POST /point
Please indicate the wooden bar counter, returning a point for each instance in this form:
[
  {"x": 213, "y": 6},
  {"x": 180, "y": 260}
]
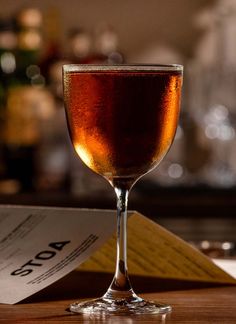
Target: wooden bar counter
[{"x": 199, "y": 304}]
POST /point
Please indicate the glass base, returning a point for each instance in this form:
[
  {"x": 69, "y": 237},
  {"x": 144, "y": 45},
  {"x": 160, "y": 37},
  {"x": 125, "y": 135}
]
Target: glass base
[{"x": 122, "y": 306}]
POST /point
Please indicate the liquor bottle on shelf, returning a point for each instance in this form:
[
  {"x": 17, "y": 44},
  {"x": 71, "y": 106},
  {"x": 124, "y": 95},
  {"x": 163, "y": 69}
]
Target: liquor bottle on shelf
[
  {"x": 51, "y": 52},
  {"x": 25, "y": 102},
  {"x": 53, "y": 158},
  {"x": 8, "y": 43},
  {"x": 29, "y": 34}
]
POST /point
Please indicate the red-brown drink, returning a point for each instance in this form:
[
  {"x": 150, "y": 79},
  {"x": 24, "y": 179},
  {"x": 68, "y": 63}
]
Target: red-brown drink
[{"x": 122, "y": 122}]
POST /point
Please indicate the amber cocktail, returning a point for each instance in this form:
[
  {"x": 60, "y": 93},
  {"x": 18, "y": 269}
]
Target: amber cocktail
[{"x": 122, "y": 121}]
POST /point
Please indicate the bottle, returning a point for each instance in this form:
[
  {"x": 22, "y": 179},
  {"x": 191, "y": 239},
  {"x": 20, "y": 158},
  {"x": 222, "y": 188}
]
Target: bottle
[
  {"x": 51, "y": 52},
  {"x": 24, "y": 97},
  {"x": 53, "y": 157},
  {"x": 8, "y": 43}
]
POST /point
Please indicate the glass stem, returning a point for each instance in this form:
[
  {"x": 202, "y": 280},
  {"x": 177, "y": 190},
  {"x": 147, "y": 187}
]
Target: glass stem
[{"x": 120, "y": 286}]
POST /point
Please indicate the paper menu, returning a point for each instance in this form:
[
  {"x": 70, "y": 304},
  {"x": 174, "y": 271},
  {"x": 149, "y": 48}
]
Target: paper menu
[
  {"x": 154, "y": 251},
  {"x": 41, "y": 245}
]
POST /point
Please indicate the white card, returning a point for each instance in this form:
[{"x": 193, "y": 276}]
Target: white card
[{"x": 41, "y": 245}]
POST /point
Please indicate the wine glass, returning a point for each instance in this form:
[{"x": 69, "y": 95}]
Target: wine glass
[{"x": 122, "y": 120}]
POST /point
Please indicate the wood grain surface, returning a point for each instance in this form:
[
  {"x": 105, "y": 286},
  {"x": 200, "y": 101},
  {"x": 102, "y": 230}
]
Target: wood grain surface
[{"x": 191, "y": 302}]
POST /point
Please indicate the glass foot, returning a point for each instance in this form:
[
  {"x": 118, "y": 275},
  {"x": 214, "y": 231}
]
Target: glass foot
[{"x": 123, "y": 306}]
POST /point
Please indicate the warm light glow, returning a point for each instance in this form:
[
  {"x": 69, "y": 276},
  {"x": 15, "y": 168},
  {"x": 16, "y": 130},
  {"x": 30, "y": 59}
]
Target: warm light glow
[
  {"x": 84, "y": 155},
  {"x": 8, "y": 62},
  {"x": 30, "y": 17},
  {"x": 30, "y": 39}
]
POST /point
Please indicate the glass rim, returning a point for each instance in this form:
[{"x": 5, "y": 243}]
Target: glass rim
[{"x": 73, "y": 67}]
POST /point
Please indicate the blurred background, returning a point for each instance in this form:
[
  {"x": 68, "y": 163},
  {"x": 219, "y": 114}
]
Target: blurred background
[{"x": 197, "y": 179}]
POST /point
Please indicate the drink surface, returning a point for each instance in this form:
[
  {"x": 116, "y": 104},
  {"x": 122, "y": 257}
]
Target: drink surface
[{"x": 122, "y": 123}]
